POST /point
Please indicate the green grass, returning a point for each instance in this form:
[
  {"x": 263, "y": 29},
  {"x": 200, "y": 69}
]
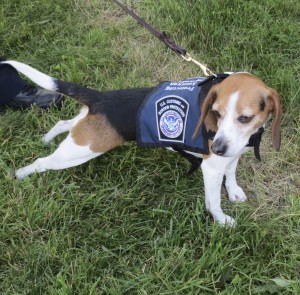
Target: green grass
[{"x": 132, "y": 221}]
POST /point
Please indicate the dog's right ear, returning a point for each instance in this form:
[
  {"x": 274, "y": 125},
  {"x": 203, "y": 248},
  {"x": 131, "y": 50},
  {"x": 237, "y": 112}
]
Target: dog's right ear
[{"x": 206, "y": 106}]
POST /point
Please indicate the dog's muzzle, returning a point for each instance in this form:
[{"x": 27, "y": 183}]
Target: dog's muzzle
[{"x": 219, "y": 147}]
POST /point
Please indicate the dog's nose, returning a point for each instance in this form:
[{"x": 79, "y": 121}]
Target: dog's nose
[{"x": 219, "y": 147}]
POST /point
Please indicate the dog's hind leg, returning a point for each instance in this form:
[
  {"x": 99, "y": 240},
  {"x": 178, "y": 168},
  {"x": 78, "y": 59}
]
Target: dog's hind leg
[
  {"x": 67, "y": 155},
  {"x": 64, "y": 125},
  {"x": 89, "y": 138}
]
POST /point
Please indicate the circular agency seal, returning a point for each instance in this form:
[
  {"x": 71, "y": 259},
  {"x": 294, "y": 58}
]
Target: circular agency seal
[{"x": 171, "y": 124}]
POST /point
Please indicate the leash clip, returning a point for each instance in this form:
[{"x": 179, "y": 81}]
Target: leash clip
[{"x": 203, "y": 67}]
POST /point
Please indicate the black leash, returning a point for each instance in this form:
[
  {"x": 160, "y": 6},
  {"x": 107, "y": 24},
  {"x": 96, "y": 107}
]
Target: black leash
[{"x": 162, "y": 36}]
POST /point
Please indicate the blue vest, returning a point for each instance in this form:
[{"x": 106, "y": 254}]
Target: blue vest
[{"x": 169, "y": 115}]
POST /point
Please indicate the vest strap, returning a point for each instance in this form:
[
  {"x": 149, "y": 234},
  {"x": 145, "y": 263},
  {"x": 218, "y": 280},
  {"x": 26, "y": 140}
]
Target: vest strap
[{"x": 255, "y": 140}]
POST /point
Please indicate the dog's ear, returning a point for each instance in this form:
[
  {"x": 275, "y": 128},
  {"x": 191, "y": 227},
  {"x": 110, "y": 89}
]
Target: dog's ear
[
  {"x": 206, "y": 106},
  {"x": 274, "y": 101}
]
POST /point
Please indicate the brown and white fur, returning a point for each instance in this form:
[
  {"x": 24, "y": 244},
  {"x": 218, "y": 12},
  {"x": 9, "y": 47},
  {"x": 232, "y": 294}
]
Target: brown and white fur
[{"x": 234, "y": 109}]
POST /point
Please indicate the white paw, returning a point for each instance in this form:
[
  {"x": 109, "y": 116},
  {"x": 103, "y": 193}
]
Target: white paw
[
  {"x": 223, "y": 219},
  {"x": 227, "y": 221},
  {"x": 21, "y": 173},
  {"x": 46, "y": 138},
  {"x": 236, "y": 194}
]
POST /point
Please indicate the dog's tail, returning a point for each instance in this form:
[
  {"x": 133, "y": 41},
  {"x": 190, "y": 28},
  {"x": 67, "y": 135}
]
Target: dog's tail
[{"x": 80, "y": 93}]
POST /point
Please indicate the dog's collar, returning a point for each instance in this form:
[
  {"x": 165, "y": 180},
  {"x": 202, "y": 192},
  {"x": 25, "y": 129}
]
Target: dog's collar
[{"x": 215, "y": 79}]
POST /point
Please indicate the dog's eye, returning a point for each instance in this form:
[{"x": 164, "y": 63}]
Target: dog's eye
[{"x": 245, "y": 119}]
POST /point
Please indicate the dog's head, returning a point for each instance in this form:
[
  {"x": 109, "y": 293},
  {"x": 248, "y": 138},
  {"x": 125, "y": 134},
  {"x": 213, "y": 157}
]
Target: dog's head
[{"x": 239, "y": 105}]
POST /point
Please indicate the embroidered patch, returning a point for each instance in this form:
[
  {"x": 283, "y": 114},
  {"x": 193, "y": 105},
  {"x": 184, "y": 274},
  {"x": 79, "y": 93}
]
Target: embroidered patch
[{"x": 171, "y": 117}]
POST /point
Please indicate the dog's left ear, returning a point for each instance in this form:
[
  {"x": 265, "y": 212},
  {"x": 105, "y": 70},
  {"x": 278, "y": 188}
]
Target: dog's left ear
[
  {"x": 274, "y": 101},
  {"x": 206, "y": 106}
]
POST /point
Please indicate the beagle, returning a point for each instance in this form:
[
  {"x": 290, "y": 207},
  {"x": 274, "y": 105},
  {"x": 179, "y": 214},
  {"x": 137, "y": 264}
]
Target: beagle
[{"x": 233, "y": 109}]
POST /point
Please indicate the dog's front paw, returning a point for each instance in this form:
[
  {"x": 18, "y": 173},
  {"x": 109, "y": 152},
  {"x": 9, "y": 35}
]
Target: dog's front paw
[
  {"x": 236, "y": 194},
  {"x": 226, "y": 220},
  {"x": 223, "y": 219}
]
